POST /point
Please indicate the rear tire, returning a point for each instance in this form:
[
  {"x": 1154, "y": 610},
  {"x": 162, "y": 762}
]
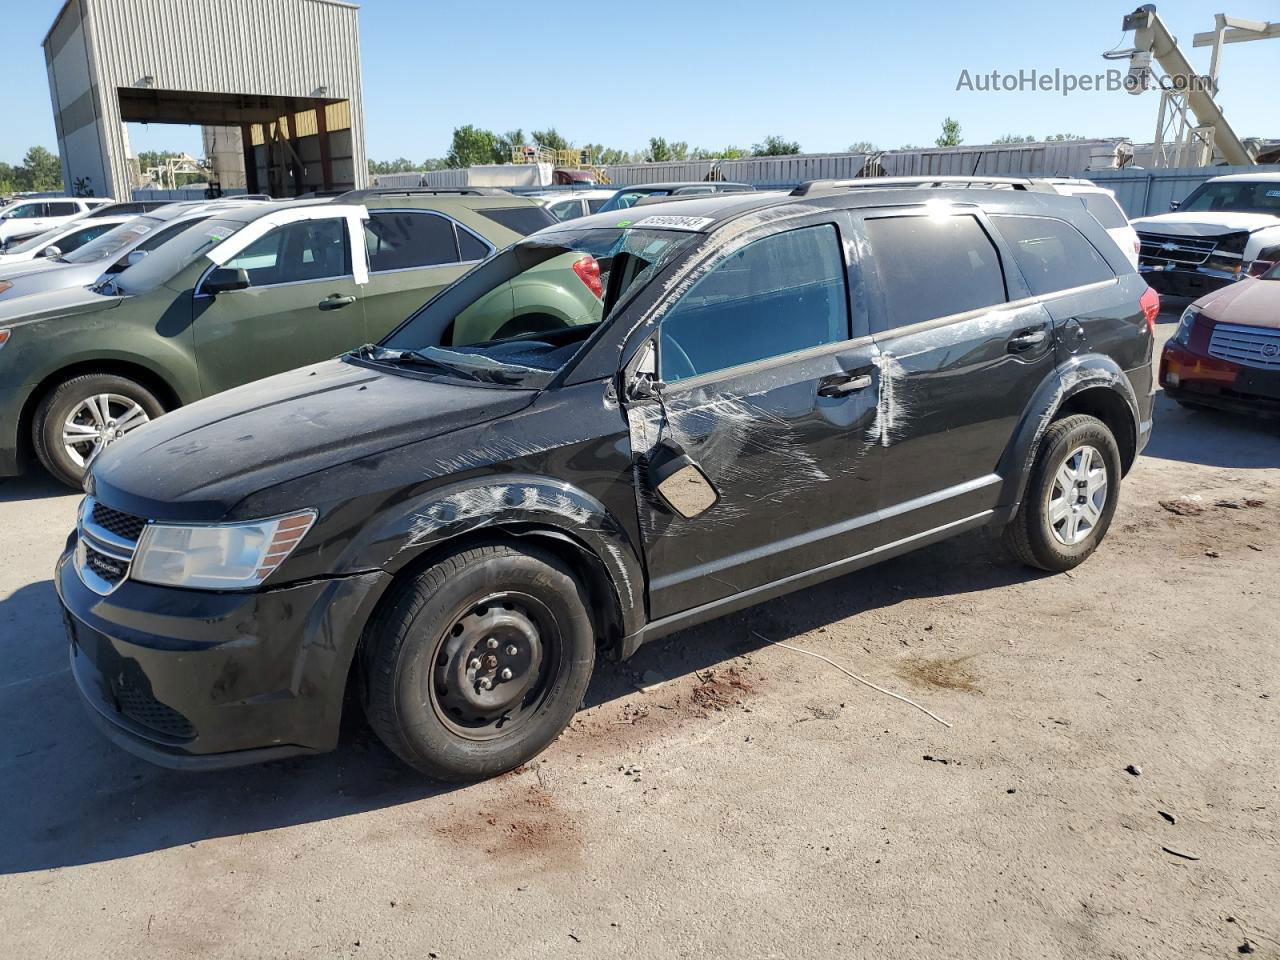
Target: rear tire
[
  {"x": 430, "y": 651},
  {"x": 1071, "y": 496},
  {"x": 89, "y": 403}
]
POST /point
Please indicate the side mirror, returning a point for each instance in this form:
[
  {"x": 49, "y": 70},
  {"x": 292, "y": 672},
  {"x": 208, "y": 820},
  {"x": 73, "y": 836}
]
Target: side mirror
[
  {"x": 51, "y": 251},
  {"x": 225, "y": 280},
  {"x": 679, "y": 482},
  {"x": 1174, "y": 204},
  {"x": 135, "y": 256}
]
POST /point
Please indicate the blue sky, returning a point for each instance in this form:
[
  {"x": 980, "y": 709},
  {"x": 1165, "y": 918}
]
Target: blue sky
[{"x": 825, "y": 73}]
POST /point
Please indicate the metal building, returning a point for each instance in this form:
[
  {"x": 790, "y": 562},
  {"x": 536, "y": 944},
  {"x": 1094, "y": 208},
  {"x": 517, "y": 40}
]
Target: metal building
[{"x": 275, "y": 81}]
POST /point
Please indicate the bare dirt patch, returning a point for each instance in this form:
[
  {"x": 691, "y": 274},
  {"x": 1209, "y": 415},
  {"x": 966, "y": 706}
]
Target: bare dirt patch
[
  {"x": 522, "y": 824},
  {"x": 941, "y": 673}
]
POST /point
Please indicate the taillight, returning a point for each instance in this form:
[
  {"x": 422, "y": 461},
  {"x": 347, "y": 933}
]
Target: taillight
[
  {"x": 1150, "y": 304},
  {"x": 588, "y": 271}
]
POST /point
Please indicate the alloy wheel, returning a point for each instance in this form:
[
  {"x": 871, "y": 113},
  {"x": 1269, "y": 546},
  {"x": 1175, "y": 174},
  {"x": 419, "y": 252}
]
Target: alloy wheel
[{"x": 98, "y": 421}]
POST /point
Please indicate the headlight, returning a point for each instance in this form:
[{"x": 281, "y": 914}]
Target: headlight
[
  {"x": 1187, "y": 321},
  {"x": 224, "y": 557}
]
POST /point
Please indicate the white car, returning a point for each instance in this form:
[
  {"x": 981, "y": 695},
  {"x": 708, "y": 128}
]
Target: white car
[
  {"x": 569, "y": 205},
  {"x": 27, "y": 217},
  {"x": 1101, "y": 202},
  {"x": 63, "y": 239}
]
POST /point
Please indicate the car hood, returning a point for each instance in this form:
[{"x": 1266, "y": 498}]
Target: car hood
[
  {"x": 1251, "y": 302},
  {"x": 63, "y": 302},
  {"x": 12, "y": 269},
  {"x": 1209, "y": 224},
  {"x": 197, "y": 463}
]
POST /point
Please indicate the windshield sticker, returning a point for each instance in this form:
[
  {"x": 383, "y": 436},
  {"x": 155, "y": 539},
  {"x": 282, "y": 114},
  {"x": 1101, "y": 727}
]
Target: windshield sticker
[
  {"x": 624, "y": 223},
  {"x": 1273, "y": 193},
  {"x": 672, "y": 222}
]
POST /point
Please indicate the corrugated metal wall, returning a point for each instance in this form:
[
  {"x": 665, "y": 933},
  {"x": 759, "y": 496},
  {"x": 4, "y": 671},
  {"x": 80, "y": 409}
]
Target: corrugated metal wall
[
  {"x": 277, "y": 48},
  {"x": 797, "y": 169},
  {"x": 1068, "y": 158},
  {"x": 1143, "y": 193},
  {"x": 626, "y": 174}
]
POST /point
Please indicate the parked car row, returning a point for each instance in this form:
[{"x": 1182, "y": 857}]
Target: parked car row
[
  {"x": 609, "y": 430},
  {"x": 25, "y": 218}
]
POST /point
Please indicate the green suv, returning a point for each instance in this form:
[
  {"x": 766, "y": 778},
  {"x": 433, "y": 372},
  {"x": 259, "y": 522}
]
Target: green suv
[{"x": 250, "y": 291}]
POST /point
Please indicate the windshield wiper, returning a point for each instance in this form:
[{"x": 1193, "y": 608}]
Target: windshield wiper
[
  {"x": 107, "y": 287},
  {"x": 380, "y": 354}
]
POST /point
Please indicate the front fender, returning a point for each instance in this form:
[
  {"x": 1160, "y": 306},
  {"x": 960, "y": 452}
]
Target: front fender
[
  {"x": 518, "y": 504},
  {"x": 1076, "y": 375}
]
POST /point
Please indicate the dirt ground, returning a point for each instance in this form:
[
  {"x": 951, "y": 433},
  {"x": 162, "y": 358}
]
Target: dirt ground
[{"x": 757, "y": 802}]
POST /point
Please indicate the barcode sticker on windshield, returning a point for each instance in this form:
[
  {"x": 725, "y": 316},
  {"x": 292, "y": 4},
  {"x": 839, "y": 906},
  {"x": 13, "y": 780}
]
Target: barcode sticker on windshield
[
  {"x": 1273, "y": 193},
  {"x": 674, "y": 223}
]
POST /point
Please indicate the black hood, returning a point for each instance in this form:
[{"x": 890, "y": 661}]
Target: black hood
[{"x": 198, "y": 462}]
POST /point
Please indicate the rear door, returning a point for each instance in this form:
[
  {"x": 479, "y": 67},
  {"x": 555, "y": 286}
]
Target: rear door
[
  {"x": 771, "y": 393},
  {"x": 302, "y": 306},
  {"x": 413, "y": 255},
  {"x": 963, "y": 350}
]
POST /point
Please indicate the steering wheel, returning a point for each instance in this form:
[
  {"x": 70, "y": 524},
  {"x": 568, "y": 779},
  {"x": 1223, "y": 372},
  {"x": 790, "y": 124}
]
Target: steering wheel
[{"x": 682, "y": 367}]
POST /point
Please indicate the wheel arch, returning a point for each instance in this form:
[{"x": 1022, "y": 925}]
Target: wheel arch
[{"x": 1092, "y": 384}]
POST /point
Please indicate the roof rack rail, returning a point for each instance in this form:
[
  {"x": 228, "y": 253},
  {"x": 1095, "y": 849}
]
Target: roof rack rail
[
  {"x": 653, "y": 198},
  {"x": 353, "y": 196},
  {"x": 812, "y": 187}
]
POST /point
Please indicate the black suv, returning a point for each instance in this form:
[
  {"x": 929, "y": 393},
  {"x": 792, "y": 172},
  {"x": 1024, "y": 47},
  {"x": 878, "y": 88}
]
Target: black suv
[{"x": 770, "y": 390}]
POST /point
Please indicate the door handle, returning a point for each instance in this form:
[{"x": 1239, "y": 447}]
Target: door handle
[
  {"x": 840, "y": 384},
  {"x": 1027, "y": 340},
  {"x": 335, "y": 302}
]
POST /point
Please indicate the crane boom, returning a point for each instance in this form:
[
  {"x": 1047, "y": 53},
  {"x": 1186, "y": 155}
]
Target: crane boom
[{"x": 1152, "y": 39}]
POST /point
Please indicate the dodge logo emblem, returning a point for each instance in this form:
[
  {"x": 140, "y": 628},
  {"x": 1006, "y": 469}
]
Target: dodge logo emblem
[{"x": 1270, "y": 349}]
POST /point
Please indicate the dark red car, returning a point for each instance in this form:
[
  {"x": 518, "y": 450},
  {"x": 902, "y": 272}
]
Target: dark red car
[{"x": 1226, "y": 351}]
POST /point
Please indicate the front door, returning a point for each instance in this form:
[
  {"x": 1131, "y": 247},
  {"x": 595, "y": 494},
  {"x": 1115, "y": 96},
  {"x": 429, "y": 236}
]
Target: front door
[
  {"x": 769, "y": 392},
  {"x": 959, "y": 364},
  {"x": 302, "y": 306}
]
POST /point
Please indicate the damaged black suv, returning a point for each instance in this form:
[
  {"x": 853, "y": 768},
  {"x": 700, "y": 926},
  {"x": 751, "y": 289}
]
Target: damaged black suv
[{"x": 734, "y": 397}]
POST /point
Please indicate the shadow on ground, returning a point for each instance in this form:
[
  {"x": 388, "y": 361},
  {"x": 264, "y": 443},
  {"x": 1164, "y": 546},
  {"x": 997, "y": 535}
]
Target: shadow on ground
[{"x": 71, "y": 797}]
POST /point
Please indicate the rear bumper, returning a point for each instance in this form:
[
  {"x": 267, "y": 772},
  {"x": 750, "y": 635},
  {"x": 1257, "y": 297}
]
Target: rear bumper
[
  {"x": 202, "y": 680},
  {"x": 1198, "y": 378}
]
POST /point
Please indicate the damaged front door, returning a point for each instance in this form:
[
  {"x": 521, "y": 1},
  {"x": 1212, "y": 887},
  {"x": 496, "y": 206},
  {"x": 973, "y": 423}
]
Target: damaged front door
[{"x": 765, "y": 393}]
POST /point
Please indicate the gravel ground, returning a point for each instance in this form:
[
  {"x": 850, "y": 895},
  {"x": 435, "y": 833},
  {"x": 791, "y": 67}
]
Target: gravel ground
[{"x": 756, "y": 802}]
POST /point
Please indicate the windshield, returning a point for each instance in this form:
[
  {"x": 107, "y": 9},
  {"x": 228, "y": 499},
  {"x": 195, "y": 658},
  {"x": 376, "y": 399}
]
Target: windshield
[
  {"x": 172, "y": 257},
  {"x": 114, "y": 240},
  {"x": 1236, "y": 196},
  {"x": 629, "y": 198},
  {"x": 38, "y": 242},
  {"x": 520, "y": 316}
]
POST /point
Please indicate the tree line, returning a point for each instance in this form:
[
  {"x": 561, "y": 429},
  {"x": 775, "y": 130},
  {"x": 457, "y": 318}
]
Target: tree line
[{"x": 39, "y": 172}]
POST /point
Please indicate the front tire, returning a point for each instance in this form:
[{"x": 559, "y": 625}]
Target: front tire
[
  {"x": 81, "y": 416},
  {"x": 1071, "y": 496},
  {"x": 478, "y": 663}
]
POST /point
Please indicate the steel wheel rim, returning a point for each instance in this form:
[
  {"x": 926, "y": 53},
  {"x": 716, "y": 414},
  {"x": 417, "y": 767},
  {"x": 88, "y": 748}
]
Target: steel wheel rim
[
  {"x": 455, "y": 685},
  {"x": 1078, "y": 496},
  {"x": 98, "y": 421}
]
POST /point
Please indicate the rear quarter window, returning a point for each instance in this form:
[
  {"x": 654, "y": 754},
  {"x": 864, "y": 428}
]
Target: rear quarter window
[
  {"x": 1104, "y": 209},
  {"x": 522, "y": 220},
  {"x": 1052, "y": 254},
  {"x": 932, "y": 267}
]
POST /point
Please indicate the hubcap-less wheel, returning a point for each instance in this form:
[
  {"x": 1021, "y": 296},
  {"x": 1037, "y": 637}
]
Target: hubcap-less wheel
[
  {"x": 493, "y": 666},
  {"x": 1078, "y": 496},
  {"x": 98, "y": 421}
]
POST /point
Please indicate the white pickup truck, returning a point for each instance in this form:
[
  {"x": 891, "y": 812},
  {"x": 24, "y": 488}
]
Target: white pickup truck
[{"x": 1227, "y": 229}]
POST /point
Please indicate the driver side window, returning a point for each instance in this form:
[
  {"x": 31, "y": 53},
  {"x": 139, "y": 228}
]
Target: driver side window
[
  {"x": 296, "y": 253},
  {"x": 777, "y": 295}
]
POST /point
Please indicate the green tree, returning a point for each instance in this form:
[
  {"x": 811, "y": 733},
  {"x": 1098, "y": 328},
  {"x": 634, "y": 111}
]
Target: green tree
[
  {"x": 506, "y": 142},
  {"x": 470, "y": 146},
  {"x": 725, "y": 153},
  {"x": 950, "y": 134},
  {"x": 1059, "y": 137},
  {"x": 863, "y": 146},
  {"x": 1013, "y": 138},
  {"x": 775, "y": 146},
  {"x": 551, "y": 139},
  {"x": 41, "y": 170},
  {"x": 660, "y": 151}
]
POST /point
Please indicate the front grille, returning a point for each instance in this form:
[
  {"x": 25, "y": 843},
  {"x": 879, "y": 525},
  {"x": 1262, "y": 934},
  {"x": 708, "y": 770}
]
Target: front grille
[
  {"x": 1250, "y": 346},
  {"x": 108, "y": 568},
  {"x": 1161, "y": 248},
  {"x": 145, "y": 710},
  {"x": 123, "y": 525}
]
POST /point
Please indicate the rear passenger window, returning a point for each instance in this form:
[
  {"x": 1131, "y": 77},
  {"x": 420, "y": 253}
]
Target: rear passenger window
[
  {"x": 594, "y": 205},
  {"x": 523, "y": 220},
  {"x": 1105, "y": 210},
  {"x": 471, "y": 247},
  {"x": 775, "y": 296},
  {"x": 932, "y": 267},
  {"x": 1052, "y": 254},
  {"x": 62, "y": 209},
  {"x": 400, "y": 240}
]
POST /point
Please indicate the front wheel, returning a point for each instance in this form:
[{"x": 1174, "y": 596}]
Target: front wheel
[
  {"x": 478, "y": 663},
  {"x": 1071, "y": 495},
  {"x": 84, "y": 415}
]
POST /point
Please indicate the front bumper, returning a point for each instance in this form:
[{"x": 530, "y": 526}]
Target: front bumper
[
  {"x": 1192, "y": 282},
  {"x": 203, "y": 680},
  {"x": 1188, "y": 375}
]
